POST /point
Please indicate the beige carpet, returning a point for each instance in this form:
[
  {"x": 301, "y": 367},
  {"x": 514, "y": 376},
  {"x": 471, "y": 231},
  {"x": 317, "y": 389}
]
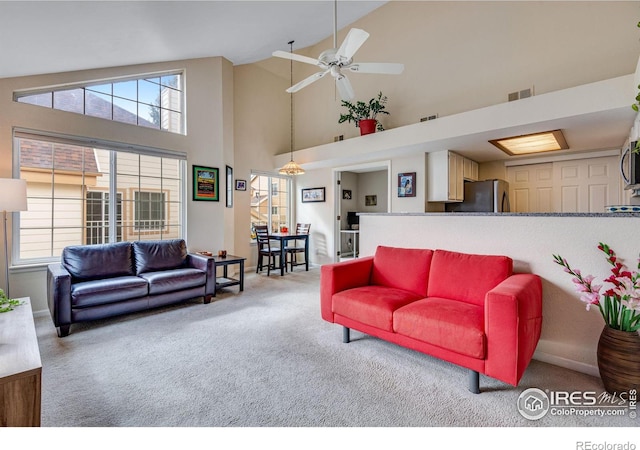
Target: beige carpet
[{"x": 264, "y": 358}]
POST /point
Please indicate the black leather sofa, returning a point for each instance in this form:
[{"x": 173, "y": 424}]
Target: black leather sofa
[{"x": 97, "y": 281}]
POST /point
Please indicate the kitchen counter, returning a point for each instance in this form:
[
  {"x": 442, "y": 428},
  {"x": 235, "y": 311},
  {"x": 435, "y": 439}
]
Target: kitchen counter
[{"x": 492, "y": 214}]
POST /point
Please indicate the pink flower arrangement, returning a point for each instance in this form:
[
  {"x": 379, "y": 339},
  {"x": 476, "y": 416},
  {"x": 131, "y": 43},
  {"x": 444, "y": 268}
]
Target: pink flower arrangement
[{"x": 620, "y": 304}]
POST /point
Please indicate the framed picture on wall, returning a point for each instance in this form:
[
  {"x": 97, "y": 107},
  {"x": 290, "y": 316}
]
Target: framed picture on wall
[
  {"x": 313, "y": 195},
  {"x": 406, "y": 184},
  {"x": 346, "y": 194},
  {"x": 206, "y": 183},
  {"x": 241, "y": 185},
  {"x": 370, "y": 200}
]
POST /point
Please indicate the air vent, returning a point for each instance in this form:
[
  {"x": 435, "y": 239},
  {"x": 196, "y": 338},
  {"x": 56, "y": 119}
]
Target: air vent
[
  {"x": 431, "y": 117},
  {"x": 338, "y": 138},
  {"x": 520, "y": 94}
]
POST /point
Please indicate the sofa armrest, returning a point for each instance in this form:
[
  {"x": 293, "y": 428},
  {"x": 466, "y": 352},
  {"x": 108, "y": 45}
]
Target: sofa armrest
[
  {"x": 340, "y": 277},
  {"x": 207, "y": 264},
  {"x": 59, "y": 294},
  {"x": 513, "y": 320}
]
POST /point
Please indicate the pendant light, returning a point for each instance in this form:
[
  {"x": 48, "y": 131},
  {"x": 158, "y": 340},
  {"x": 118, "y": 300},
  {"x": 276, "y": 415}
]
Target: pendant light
[{"x": 291, "y": 168}]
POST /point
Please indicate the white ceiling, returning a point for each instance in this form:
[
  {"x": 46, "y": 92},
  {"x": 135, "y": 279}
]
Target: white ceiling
[{"x": 56, "y": 36}]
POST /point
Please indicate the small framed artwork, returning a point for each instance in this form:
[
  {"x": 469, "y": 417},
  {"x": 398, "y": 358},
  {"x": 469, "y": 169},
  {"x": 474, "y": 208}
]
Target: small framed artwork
[
  {"x": 370, "y": 200},
  {"x": 206, "y": 183},
  {"x": 346, "y": 194},
  {"x": 241, "y": 185},
  {"x": 406, "y": 184},
  {"x": 313, "y": 195},
  {"x": 229, "y": 186}
]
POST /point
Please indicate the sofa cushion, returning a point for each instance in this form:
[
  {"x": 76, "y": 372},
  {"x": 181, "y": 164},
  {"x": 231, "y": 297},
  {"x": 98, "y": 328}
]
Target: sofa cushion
[
  {"x": 450, "y": 324},
  {"x": 108, "y": 290},
  {"x": 372, "y": 305},
  {"x": 402, "y": 268},
  {"x": 151, "y": 256},
  {"x": 466, "y": 277},
  {"x": 90, "y": 262},
  {"x": 174, "y": 280}
]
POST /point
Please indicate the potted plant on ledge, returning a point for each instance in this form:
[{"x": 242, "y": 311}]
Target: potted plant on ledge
[
  {"x": 619, "y": 345},
  {"x": 364, "y": 114}
]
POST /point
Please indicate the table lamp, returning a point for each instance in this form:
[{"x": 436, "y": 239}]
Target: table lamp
[{"x": 13, "y": 197}]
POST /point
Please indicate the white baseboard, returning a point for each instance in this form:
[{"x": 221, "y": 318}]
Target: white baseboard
[{"x": 567, "y": 363}]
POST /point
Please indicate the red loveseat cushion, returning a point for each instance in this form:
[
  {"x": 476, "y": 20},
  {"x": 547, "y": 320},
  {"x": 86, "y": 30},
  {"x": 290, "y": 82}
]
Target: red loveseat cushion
[
  {"x": 372, "y": 305},
  {"x": 450, "y": 324},
  {"x": 466, "y": 277},
  {"x": 402, "y": 268}
]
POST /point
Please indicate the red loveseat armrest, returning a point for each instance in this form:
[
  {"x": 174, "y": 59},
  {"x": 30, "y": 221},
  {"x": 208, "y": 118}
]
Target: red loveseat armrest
[
  {"x": 339, "y": 277},
  {"x": 513, "y": 320}
]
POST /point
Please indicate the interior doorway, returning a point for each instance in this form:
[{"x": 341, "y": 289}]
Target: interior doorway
[{"x": 359, "y": 189}]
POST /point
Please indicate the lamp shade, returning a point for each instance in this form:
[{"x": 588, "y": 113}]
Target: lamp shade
[{"x": 13, "y": 194}]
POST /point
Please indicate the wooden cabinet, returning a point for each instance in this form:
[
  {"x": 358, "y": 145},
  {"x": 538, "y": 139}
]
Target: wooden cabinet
[
  {"x": 446, "y": 172},
  {"x": 20, "y": 369},
  {"x": 470, "y": 171}
]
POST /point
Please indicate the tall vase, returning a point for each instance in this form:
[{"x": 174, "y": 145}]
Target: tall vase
[
  {"x": 367, "y": 126},
  {"x": 619, "y": 360}
]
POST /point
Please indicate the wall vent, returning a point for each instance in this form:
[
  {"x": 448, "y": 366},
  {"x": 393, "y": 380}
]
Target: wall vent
[
  {"x": 520, "y": 94},
  {"x": 338, "y": 138},
  {"x": 431, "y": 117}
]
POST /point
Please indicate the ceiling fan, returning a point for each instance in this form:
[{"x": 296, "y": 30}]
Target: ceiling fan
[{"x": 337, "y": 59}]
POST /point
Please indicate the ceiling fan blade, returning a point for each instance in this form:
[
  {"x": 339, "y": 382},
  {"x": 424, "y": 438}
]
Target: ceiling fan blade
[
  {"x": 296, "y": 57},
  {"x": 383, "y": 68},
  {"x": 351, "y": 44},
  {"x": 307, "y": 81},
  {"x": 344, "y": 88}
]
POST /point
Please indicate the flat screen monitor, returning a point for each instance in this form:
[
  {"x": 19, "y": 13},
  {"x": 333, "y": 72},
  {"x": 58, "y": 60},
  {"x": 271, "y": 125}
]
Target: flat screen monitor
[{"x": 353, "y": 218}]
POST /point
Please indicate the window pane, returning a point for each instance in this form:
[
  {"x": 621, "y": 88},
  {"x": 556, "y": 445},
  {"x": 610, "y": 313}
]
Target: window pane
[
  {"x": 71, "y": 100},
  {"x": 102, "y": 88},
  {"x": 38, "y": 99},
  {"x": 148, "y": 93},
  {"x": 126, "y": 89},
  {"x": 125, "y": 111},
  {"x": 171, "y": 81},
  {"x": 98, "y": 105},
  {"x": 171, "y": 121},
  {"x": 148, "y": 116},
  {"x": 151, "y": 166}
]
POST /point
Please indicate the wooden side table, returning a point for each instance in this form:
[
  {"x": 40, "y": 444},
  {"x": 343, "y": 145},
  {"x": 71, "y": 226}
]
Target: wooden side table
[
  {"x": 225, "y": 281},
  {"x": 20, "y": 368}
]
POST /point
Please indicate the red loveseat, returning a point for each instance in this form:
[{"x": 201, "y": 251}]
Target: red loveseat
[{"x": 470, "y": 310}]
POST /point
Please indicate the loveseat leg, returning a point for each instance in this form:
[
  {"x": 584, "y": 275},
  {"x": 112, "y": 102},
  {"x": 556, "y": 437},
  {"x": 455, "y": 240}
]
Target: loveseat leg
[
  {"x": 474, "y": 382},
  {"x": 346, "y": 338},
  {"x": 207, "y": 299},
  {"x": 63, "y": 330}
]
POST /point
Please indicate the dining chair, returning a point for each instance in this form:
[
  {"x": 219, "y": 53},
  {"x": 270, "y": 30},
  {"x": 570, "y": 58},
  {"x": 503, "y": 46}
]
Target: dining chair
[
  {"x": 297, "y": 246},
  {"x": 265, "y": 249}
]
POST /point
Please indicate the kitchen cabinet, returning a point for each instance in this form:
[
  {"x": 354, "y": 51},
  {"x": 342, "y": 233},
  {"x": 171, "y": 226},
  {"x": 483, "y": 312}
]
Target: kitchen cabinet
[
  {"x": 470, "y": 170},
  {"x": 446, "y": 172}
]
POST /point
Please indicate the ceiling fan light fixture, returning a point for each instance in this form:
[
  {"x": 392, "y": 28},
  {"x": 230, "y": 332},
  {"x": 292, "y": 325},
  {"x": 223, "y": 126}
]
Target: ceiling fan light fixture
[{"x": 546, "y": 141}]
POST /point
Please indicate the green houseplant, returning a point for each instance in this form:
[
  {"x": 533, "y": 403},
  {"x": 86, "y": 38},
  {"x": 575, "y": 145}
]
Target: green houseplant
[
  {"x": 7, "y": 304},
  {"x": 360, "y": 112}
]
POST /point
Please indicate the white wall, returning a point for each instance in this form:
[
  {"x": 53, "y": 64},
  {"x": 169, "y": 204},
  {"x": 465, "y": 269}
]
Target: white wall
[{"x": 569, "y": 333}]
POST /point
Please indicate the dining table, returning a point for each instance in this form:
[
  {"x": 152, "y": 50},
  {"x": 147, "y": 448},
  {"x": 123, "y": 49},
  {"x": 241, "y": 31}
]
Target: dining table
[{"x": 283, "y": 238}]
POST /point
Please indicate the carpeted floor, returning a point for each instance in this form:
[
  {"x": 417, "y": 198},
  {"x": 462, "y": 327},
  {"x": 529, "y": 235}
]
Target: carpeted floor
[{"x": 265, "y": 358}]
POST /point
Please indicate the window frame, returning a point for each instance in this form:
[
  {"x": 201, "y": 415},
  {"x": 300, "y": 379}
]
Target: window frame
[
  {"x": 114, "y": 148},
  {"x": 274, "y": 193}
]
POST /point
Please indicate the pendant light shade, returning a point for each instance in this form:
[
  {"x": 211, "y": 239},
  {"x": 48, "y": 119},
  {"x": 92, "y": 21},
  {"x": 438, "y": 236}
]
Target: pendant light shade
[{"x": 291, "y": 168}]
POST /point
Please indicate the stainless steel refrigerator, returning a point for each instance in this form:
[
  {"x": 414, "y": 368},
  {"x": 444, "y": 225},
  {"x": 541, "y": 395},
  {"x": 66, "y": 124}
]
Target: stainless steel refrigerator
[{"x": 483, "y": 196}]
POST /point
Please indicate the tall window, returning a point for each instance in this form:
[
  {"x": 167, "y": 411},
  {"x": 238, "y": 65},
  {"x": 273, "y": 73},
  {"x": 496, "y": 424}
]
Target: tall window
[
  {"x": 270, "y": 200},
  {"x": 70, "y": 187},
  {"x": 146, "y": 101}
]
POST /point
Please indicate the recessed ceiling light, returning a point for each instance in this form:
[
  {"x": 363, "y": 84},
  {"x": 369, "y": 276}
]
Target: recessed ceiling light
[{"x": 546, "y": 141}]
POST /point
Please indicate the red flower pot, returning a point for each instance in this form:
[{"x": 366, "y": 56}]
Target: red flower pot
[{"x": 367, "y": 126}]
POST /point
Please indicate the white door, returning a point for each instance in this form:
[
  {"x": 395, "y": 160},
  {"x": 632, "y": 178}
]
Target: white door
[
  {"x": 585, "y": 185},
  {"x": 531, "y": 188}
]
